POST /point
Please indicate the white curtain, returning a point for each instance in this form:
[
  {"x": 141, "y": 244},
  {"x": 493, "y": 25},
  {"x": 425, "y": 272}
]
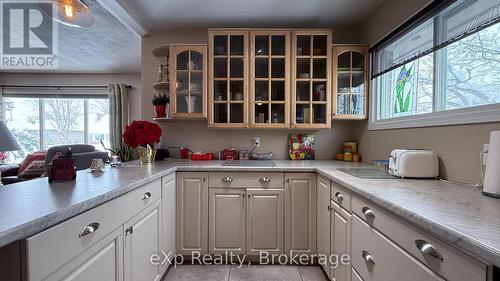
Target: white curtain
[{"x": 118, "y": 112}]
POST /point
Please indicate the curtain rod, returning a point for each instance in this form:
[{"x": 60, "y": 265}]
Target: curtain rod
[{"x": 61, "y": 87}]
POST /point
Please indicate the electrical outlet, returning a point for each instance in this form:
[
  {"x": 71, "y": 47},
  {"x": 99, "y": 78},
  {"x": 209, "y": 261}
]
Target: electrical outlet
[{"x": 256, "y": 141}]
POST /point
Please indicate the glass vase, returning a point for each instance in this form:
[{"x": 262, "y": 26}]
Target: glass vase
[{"x": 146, "y": 153}]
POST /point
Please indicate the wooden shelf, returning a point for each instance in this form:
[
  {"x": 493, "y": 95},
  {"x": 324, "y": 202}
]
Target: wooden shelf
[
  {"x": 180, "y": 119},
  {"x": 161, "y": 85}
]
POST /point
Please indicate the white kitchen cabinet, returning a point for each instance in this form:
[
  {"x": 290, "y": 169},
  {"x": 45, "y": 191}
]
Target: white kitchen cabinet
[
  {"x": 300, "y": 215},
  {"x": 167, "y": 241},
  {"x": 227, "y": 221},
  {"x": 323, "y": 220},
  {"x": 265, "y": 221},
  {"x": 142, "y": 240},
  {"x": 191, "y": 213},
  {"x": 340, "y": 240}
]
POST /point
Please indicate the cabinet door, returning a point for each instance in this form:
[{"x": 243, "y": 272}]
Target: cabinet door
[
  {"x": 226, "y": 221},
  {"x": 340, "y": 240},
  {"x": 323, "y": 220},
  {"x": 300, "y": 216},
  {"x": 142, "y": 240},
  {"x": 265, "y": 221},
  {"x": 191, "y": 213},
  {"x": 102, "y": 261},
  {"x": 167, "y": 239}
]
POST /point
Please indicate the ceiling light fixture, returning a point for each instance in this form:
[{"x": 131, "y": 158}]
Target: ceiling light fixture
[{"x": 74, "y": 13}]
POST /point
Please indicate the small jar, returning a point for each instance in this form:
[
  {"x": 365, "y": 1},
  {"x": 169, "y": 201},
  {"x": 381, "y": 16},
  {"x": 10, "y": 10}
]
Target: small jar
[{"x": 348, "y": 156}]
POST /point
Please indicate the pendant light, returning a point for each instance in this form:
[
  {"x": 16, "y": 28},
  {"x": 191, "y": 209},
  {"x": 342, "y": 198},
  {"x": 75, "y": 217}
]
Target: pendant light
[{"x": 74, "y": 13}]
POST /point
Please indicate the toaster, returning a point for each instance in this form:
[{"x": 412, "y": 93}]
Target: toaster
[{"x": 413, "y": 163}]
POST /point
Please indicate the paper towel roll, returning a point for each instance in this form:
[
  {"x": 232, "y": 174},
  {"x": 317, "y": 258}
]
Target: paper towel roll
[{"x": 492, "y": 174}]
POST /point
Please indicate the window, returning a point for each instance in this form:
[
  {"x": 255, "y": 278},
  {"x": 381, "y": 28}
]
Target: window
[
  {"x": 41, "y": 122},
  {"x": 443, "y": 70}
]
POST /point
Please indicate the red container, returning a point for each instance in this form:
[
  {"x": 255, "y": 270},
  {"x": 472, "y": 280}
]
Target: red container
[
  {"x": 184, "y": 153},
  {"x": 62, "y": 169},
  {"x": 161, "y": 110},
  {"x": 228, "y": 154},
  {"x": 202, "y": 157}
]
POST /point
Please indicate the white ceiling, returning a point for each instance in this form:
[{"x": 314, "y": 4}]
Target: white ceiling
[{"x": 160, "y": 15}]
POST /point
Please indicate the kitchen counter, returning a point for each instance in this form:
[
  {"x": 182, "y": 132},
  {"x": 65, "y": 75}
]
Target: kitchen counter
[{"x": 455, "y": 214}]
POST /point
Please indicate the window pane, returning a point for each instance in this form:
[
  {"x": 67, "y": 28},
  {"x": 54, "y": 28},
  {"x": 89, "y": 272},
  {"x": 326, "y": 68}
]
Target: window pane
[
  {"x": 23, "y": 120},
  {"x": 64, "y": 122},
  {"x": 472, "y": 70},
  {"x": 98, "y": 120}
]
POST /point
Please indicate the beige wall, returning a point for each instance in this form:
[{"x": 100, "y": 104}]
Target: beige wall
[
  {"x": 196, "y": 135},
  {"x": 457, "y": 146}
]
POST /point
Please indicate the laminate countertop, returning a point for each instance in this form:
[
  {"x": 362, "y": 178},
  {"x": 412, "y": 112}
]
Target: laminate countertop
[{"x": 460, "y": 216}]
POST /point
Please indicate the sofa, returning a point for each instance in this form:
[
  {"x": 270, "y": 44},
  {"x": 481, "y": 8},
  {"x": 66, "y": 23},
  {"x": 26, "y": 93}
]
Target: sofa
[{"x": 82, "y": 153}]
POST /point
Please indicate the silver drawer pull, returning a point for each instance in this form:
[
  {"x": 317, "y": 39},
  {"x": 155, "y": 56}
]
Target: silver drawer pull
[
  {"x": 146, "y": 195},
  {"x": 369, "y": 214},
  {"x": 428, "y": 249},
  {"x": 265, "y": 180},
  {"x": 89, "y": 229},
  {"x": 339, "y": 196},
  {"x": 227, "y": 179},
  {"x": 368, "y": 258}
]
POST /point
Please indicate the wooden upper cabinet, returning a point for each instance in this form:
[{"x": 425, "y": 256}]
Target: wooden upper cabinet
[
  {"x": 311, "y": 78},
  {"x": 188, "y": 81},
  {"x": 350, "y": 82},
  {"x": 228, "y": 78},
  {"x": 269, "y": 79}
]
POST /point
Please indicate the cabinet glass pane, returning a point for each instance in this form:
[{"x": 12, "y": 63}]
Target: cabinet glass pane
[
  {"x": 182, "y": 60},
  {"x": 277, "y": 113},
  {"x": 358, "y": 104},
  {"x": 182, "y": 83},
  {"x": 261, "y": 68},
  {"x": 220, "y": 90},
  {"x": 303, "y": 114},
  {"x": 302, "y": 91},
  {"x": 319, "y": 93},
  {"x": 261, "y": 90},
  {"x": 319, "y": 68},
  {"x": 220, "y": 112},
  {"x": 303, "y": 45},
  {"x": 196, "y": 61},
  {"x": 343, "y": 104},
  {"x": 236, "y": 43},
  {"x": 358, "y": 61},
  {"x": 261, "y": 45},
  {"x": 343, "y": 83},
  {"x": 278, "y": 45},
  {"x": 303, "y": 68},
  {"x": 278, "y": 90},
  {"x": 220, "y": 67},
  {"x": 358, "y": 83},
  {"x": 236, "y": 68},
  {"x": 319, "y": 113},
  {"x": 196, "y": 85},
  {"x": 261, "y": 112},
  {"x": 236, "y": 113},
  {"x": 181, "y": 103},
  {"x": 236, "y": 88},
  {"x": 320, "y": 45},
  {"x": 220, "y": 45},
  {"x": 344, "y": 62},
  {"x": 278, "y": 68}
]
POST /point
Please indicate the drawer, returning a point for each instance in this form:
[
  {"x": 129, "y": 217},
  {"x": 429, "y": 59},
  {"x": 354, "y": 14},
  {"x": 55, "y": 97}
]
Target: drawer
[
  {"x": 441, "y": 258},
  {"x": 376, "y": 258},
  {"x": 54, "y": 247},
  {"x": 341, "y": 196},
  {"x": 252, "y": 179}
]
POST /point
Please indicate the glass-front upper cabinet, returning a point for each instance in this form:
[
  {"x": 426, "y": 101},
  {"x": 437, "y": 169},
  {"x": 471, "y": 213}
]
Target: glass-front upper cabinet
[
  {"x": 188, "y": 82},
  {"x": 311, "y": 73},
  {"x": 228, "y": 74},
  {"x": 350, "y": 81},
  {"x": 269, "y": 79}
]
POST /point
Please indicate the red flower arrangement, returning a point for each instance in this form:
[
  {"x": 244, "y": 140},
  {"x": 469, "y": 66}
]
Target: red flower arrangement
[{"x": 142, "y": 133}]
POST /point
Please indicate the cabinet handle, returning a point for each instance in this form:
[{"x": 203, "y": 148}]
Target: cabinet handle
[
  {"x": 129, "y": 230},
  {"x": 339, "y": 196},
  {"x": 265, "y": 180},
  {"x": 428, "y": 249},
  {"x": 227, "y": 179},
  {"x": 369, "y": 214},
  {"x": 330, "y": 205},
  {"x": 89, "y": 229},
  {"x": 146, "y": 195},
  {"x": 368, "y": 258}
]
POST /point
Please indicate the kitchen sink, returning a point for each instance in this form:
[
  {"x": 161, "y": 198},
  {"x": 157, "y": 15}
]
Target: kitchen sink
[{"x": 249, "y": 163}]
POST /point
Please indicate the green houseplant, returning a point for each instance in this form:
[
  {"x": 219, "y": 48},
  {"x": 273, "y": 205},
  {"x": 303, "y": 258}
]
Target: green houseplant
[{"x": 161, "y": 104}]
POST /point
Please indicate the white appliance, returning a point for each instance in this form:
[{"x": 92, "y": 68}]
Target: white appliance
[
  {"x": 414, "y": 163},
  {"x": 491, "y": 186}
]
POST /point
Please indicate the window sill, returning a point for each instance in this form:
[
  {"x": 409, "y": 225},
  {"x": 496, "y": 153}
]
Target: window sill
[{"x": 472, "y": 115}]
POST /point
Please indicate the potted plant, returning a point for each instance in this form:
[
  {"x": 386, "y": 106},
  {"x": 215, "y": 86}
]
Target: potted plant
[
  {"x": 161, "y": 104},
  {"x": 143, "y": 136}
]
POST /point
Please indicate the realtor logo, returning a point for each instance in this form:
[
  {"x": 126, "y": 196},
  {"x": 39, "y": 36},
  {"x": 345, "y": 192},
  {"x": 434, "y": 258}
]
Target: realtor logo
[{"x": 29, "y": 36}]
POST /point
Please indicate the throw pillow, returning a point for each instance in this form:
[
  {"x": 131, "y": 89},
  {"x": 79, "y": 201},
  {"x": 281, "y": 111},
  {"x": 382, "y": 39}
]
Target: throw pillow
[
  {"x": 35, "y": 156},
  {"x": 34, "y": 170}
]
